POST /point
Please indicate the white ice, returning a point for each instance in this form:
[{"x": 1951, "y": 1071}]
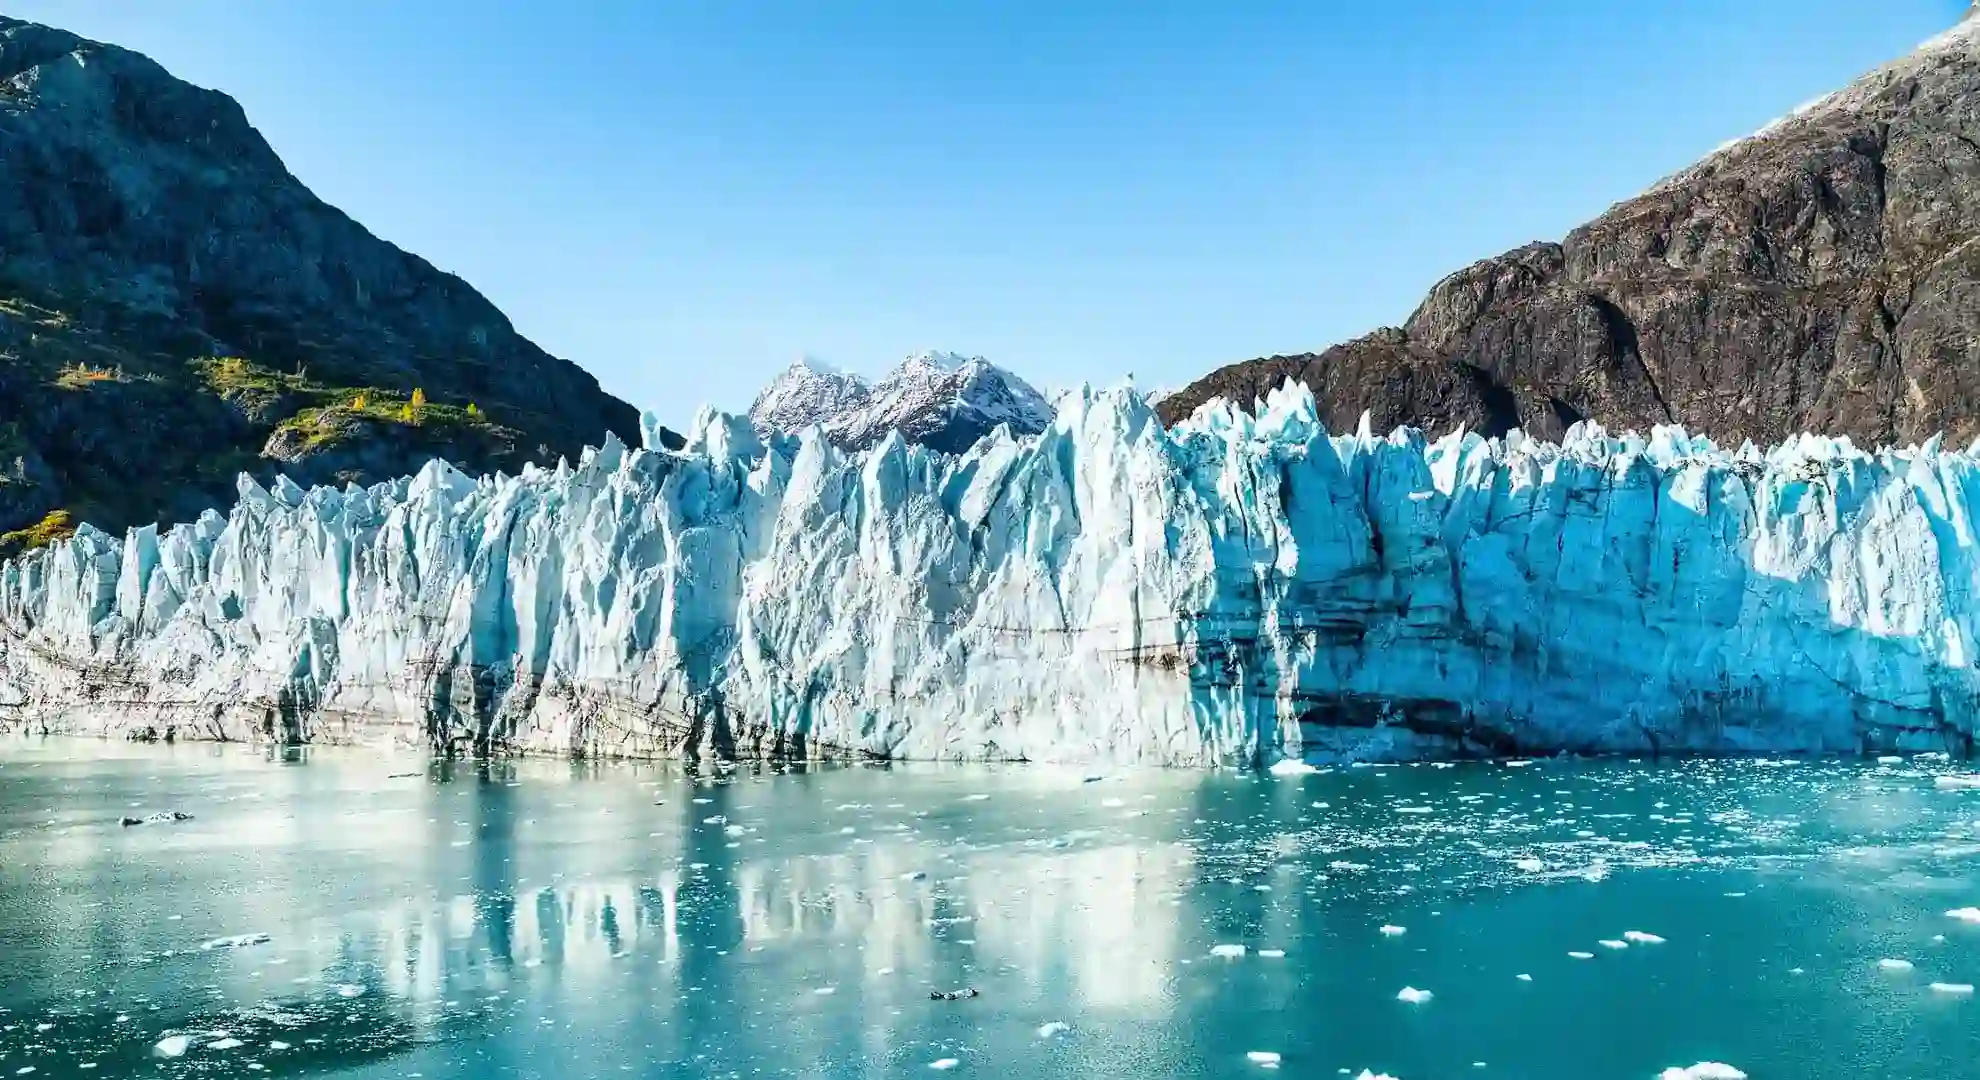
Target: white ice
[
  {"x": 1237, "y": 589},
  {"x": 1704, "y": 1070}
]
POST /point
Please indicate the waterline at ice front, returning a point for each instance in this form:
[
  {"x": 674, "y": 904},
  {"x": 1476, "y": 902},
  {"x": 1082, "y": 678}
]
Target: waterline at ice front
[{"x": 1234, "y": 590}]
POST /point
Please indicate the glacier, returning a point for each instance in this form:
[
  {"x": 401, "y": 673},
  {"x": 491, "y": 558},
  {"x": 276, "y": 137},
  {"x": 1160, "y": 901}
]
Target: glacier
[{"x": 1243, "y": 588}]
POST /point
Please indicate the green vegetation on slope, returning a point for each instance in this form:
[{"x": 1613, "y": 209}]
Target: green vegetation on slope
[{"x": 121, "y": 423}]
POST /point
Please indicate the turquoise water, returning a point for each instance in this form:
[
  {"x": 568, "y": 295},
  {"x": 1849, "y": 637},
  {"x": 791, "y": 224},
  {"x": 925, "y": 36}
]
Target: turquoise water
[{"x": 544, "y": 919}]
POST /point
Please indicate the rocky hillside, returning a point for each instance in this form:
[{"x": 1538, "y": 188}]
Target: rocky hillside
[
  {"x": 1823, "y": 274},
  {"x": 175, "y": 307}
]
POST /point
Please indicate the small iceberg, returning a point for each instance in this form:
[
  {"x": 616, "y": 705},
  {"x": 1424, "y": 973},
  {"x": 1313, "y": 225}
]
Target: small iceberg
[
  {"x": 236, "y": 941},
  {"x": 1953, "y": 989},
  {"x": 1704, "y": 1070},
  {"x": 1413, "y": 996},
  {"x": 1642, "y": 938},
  {"x": 1229, "y": 952},
  {"x": 1894, "y": 965},
  {"x": 1267, "y": 1058}
]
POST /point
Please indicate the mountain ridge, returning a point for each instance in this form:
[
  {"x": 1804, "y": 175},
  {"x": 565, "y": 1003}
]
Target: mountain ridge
[
  {"x": 177, "y": 307},
  {"x": 1818, "y": 275},
  {"x": 942, "y": 400}
]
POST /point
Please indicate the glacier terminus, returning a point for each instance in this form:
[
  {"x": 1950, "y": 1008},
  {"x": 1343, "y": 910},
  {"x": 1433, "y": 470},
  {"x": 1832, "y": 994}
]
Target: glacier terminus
[{"x": 1237, "y": 589}]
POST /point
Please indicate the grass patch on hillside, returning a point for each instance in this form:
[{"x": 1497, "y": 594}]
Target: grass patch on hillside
[
  {"x": 57, "y": 526},
  {"x": 339, "y": 417}
]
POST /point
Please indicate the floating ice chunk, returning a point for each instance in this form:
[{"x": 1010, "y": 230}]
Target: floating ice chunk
[
  {"x": 1894, "y": 965},
  {"x": 1230, "y": 951},
  {"x": 349, "y": 990},
  {"x": 1531, "y": 866},
  {"x": 1642, "y": 938},
  {"x": 1523, "y": 977},
  {"x": 1272, "y": 954},
  {"x": 978, "y": 797},
  {"x": 1413, "y": 996},
  {"x": 1965, "y": 914},
  {"x": 1889, "y": 759},
  {"x": 1704, "y": 1070},
  {"x": 225, "y": 1044},
  {"x": 1368, "y": 1075},
  {"x": 278, "y": 1044},
  {"x": 1055, "y": 1027},
  {"x": 824, "y": 990},
  {"x": 1954, "y": 989},
  {"x": 1957, "y": 782},
  {"x": 236, "y": 941},
  {"x": 944, "y": 1064},
  {"x": 1267, "y": 1058},
  {"x": 1394, "y": 931},
  {"x": 172, "y": 1046},
  {"x": 1291, "y": 767},
  {"x": 1612, "y": 943},
  {"x": 1582, "y": 955}
]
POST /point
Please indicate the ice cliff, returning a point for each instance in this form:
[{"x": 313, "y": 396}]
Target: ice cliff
[{"x": 1234, "y": 589}]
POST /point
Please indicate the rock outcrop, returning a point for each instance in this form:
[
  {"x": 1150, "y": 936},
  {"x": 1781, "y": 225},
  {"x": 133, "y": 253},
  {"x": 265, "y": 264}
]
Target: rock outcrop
[
  {"x": 175, "y": 307},
  {"x": 1820, "y": 275}
]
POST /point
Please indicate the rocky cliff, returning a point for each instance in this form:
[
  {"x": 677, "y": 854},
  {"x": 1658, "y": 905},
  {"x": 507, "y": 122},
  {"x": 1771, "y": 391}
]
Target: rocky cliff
[
  {"x": 1820, "y": 275},
  {"x": 175, "y": 307}
]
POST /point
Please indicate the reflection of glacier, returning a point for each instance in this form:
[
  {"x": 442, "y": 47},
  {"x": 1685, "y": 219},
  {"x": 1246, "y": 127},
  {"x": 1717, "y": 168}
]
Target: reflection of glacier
[{"x": 1231, "y": 589}]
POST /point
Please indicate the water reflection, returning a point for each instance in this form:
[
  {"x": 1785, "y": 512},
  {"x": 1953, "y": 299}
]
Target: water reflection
[{"x": 545, "y": 919}]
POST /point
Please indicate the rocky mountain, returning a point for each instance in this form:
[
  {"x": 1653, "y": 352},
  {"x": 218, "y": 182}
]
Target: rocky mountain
[
  {"x": 940, "y": 400},
  {"x": 1822, "y": 274},
  {"x": 175, "y": 308}
]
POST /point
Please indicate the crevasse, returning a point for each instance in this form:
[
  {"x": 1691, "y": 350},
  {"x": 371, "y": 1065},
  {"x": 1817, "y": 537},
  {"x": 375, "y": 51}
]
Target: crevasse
[{"x": 1236, "y": 589}]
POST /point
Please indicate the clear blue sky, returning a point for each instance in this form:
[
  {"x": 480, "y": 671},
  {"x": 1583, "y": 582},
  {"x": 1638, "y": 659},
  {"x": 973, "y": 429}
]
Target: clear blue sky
[{"x": 684, "y": 196}]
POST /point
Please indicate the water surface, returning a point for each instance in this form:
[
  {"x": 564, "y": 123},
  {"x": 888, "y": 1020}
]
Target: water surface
[{"x": 549, "y": 919}]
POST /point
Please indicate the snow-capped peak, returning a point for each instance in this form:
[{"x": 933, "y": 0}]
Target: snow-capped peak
[
  {"x": 808, "y": 392},
  {"x": 931, "y": 360},
  {"x": 941, "y": 399}
]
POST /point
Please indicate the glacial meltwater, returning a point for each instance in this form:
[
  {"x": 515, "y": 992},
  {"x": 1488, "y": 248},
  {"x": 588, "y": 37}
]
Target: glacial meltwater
[{"x": 337, "y": 913}]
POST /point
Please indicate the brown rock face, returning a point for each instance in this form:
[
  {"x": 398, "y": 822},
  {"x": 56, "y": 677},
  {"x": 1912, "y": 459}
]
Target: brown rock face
[{"x": 1822, "y": 275}]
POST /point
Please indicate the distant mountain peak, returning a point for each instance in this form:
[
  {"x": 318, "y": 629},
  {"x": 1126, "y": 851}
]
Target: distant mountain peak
[{"x": 940, "y": 399}]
